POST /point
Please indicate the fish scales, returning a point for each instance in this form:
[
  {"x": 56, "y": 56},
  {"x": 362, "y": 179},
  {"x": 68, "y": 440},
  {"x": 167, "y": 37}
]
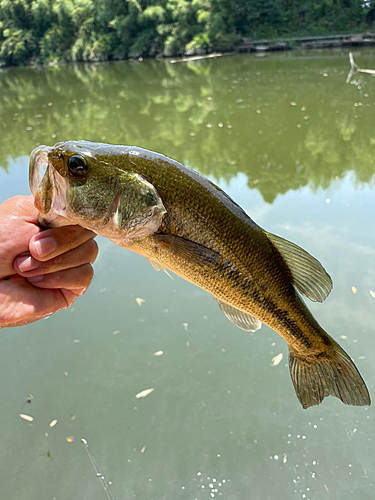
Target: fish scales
[
  {"x": 179, "y": 220},
  {"x": 218, "y": 226}
]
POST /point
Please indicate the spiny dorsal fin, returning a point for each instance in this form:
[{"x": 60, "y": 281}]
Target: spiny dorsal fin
[
  {"x": 239, "y": 318},
  {"x": 310, "y": 277}
]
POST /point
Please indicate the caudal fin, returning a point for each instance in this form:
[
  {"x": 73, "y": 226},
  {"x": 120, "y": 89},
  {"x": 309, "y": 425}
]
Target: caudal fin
[{"x": 331, "y": 373}]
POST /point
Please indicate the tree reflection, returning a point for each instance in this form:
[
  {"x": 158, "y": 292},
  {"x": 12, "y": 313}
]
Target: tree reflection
[{"x": 285, "y": 123}]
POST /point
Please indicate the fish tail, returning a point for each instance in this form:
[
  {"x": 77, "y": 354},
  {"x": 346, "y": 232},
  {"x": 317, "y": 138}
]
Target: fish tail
[{"x": 330, "y": 373}]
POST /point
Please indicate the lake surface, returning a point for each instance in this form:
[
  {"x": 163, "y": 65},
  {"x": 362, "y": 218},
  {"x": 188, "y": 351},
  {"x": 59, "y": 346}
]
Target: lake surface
[{"x": 294, "y": 145}]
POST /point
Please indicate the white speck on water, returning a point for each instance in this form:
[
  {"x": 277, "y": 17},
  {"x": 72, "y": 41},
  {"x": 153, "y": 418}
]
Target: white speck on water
[
  {"x": 199, "y": 473},
  {"x": 277, "y": 359},
  {"x": 144, "y": 393},
  {"x": 328, "y": 200},
  {"x": 276, "y": 457}
]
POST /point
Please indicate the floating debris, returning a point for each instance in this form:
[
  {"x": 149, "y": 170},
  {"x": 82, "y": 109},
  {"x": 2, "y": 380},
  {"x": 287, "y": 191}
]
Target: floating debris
[
  {"x": 116, "y": 332},
  {"x": 293, "y": 103},
  {"x": 76, "y": 341},
  {"x": 285, "y": 458},
  {"x": 372, "y": 293},
  {"x": 26, "y": 417},
  {"x": 53, "y": 423},
  {"x": 328, "y": 200},
  {"x": 139, "y": 301},
  {"x": 354, "y": 290},
  {"x": 28, "y": 400},
  {"x": 277, "y": 359},
  {"x": 70, "y": 439},
  {"x": 158, "y": 353},
  {"x": 144, "y": 393},
  {"x": 186, "y": 327},
  {"x": 143, "y": 448}
]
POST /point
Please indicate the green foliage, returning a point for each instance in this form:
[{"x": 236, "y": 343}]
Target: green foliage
[{"x": 34, "y": 31}]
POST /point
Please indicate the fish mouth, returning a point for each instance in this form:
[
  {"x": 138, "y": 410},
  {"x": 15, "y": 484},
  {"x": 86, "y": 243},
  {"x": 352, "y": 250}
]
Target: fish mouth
[{"x": 46, "y": 185}]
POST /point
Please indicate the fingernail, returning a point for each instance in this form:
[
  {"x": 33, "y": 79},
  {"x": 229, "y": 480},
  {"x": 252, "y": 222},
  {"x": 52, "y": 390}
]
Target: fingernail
[
  {"x": 35, "y": 279},
  {"x": 45, "y": 246},
  {"x": 26, "y": 263}
]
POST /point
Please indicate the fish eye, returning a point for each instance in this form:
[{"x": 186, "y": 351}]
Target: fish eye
[{"x": 77, "y": 166}]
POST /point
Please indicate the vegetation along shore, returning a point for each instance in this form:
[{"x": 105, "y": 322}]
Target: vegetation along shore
[{"x": 51, "y": 31}]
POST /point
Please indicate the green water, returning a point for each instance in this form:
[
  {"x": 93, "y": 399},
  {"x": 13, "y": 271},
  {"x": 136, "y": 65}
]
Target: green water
[{"x": 294, "y": 145}]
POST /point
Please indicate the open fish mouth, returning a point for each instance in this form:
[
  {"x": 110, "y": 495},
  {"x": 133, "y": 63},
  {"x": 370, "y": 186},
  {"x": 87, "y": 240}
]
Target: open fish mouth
[
  {"x": 46, "y": 185},
  {"x": 38, "y": 167}
]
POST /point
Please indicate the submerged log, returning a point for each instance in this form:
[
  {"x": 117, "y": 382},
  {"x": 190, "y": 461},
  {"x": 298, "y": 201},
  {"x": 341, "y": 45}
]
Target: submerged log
[{"x": 355, "y": 69}]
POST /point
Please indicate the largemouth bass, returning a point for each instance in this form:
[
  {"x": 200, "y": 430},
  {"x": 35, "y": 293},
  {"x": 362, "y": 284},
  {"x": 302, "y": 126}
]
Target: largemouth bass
[{"x": 180, "y": 221}]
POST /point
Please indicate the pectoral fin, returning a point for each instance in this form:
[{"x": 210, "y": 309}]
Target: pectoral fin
[
  {"x": 239, "y": 318},
  {"x": 187, "y": 250},
  {"x": 310, "y": 277}
]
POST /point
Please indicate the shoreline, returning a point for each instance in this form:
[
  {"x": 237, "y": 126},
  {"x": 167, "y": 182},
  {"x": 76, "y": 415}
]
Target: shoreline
[{"x": 246, "y": 46}]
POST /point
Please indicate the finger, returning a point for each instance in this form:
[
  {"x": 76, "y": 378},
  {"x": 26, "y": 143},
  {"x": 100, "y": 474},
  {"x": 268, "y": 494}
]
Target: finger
[
  {"x": 22, "y": 303},
  {"x": 76, "y": 279},
  {"x": 25, "y": 265},
  {"x": 56, "y": 241},
  {"x": 20, "y": 207}
]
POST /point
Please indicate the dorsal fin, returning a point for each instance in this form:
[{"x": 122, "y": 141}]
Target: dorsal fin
[
  {"x": 239, "y": 318},
  {"x": 310, "y": 277}
]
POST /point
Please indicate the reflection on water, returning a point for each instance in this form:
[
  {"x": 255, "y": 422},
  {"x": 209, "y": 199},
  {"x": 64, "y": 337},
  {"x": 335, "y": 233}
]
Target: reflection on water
[
  {"x": 284, "y": 122},
  {"x": 222, "y": 420}
]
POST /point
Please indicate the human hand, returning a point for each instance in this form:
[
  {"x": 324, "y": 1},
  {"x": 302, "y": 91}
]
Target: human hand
[{"x": 41, "y": 272}]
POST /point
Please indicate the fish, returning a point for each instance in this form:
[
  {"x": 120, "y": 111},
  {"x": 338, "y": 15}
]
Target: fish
[{"x": 182, "y": 222}]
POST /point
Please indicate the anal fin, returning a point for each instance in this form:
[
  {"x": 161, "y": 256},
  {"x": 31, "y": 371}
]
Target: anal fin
[{"x": 239, "y": 318}]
